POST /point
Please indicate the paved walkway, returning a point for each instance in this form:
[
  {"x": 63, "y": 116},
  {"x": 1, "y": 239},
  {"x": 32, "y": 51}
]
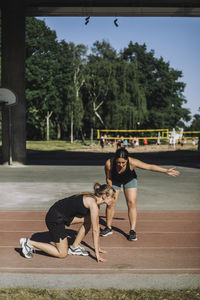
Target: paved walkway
[
  {"x": 38, "y": 187},
  {"x": 166, "y": 255}
]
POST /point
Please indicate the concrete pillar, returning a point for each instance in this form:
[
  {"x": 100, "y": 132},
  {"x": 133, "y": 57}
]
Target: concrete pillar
[{"x": 13, "y": 77}]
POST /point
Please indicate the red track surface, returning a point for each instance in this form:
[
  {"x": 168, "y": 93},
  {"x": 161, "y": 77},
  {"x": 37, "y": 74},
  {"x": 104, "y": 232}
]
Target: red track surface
[{"x": 168, "y": 243}]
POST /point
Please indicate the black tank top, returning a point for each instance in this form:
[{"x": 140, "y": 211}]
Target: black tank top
[
  {"x": 72, "y": 206},
  {"x": 123, "y": 177}
]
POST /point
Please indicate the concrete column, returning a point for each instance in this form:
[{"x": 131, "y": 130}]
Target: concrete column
[{"x": 13, "y": 77}]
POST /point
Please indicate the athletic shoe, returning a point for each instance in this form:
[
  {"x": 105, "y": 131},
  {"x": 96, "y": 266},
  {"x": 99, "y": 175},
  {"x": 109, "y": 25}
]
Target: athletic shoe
[
  {"x": 27, "y": 249},
  {"x": 132, "y": 236},
  {"x": 77, "y": 251},
  {"x": 106, "y": 231}
]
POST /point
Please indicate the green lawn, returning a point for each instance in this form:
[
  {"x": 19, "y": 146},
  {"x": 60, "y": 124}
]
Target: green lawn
[
  {"x": 57, "y": 145},
  {"x": 94, "y": 294},
  {"x": 54, "y": 145}
]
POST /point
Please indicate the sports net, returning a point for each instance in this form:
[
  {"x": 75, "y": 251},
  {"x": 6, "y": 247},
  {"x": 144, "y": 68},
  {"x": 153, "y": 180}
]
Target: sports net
[{"x": 151, "y": 134}]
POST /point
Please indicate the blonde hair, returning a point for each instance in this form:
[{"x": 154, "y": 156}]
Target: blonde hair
[{"x": 99, "y": 190}]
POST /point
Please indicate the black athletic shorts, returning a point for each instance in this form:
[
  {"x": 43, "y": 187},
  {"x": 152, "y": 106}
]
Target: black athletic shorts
[{"x": 56, "y": 222}]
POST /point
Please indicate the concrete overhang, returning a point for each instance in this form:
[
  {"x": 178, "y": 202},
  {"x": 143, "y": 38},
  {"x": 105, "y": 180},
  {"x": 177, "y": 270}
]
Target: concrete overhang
[{"x": 126, "y": 8}]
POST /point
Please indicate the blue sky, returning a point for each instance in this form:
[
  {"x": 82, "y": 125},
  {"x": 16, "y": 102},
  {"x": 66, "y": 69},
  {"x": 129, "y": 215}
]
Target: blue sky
[{"x": 177, "y": 40}]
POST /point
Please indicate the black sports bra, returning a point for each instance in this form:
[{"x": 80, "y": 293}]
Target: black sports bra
[
  {"x": 72, "y": 206},
  {"x": 123, "y": 177}
]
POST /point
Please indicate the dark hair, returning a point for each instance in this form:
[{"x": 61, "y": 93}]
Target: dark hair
[{"x": 121, "y": 153}]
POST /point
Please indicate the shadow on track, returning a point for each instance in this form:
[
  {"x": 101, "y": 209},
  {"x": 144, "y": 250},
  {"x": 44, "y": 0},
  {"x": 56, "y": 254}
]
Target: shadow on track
[{"x": 185, "y": 158}]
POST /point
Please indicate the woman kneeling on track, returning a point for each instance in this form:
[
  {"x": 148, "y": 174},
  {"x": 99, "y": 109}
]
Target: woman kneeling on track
[
  {"x": 80, "y": 208},
  {"x": 120, "y": 170}
]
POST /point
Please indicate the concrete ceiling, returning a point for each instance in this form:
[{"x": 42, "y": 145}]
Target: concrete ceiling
[{"x": 145, "y": 8}]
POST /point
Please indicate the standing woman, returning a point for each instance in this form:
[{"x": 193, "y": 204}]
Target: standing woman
[
  {"x": 81, "y": 208},
  {"x": 120, "y": 170}
]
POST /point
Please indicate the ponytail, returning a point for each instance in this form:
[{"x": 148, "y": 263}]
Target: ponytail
[{"x": 100, "y": 189}]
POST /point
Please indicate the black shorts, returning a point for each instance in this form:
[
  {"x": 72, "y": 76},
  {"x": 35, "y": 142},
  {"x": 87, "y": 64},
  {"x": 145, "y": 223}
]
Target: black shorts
[{"x": 56, "y": 222}]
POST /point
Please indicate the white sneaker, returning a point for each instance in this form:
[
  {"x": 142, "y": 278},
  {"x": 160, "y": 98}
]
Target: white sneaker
[
  {"x": 77, "y": 251},
  {"x": 27, "y": 249}
]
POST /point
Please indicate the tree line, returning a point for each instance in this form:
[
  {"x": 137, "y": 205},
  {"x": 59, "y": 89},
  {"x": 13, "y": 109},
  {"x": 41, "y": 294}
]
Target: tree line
[{"x": 71, "y": 90}]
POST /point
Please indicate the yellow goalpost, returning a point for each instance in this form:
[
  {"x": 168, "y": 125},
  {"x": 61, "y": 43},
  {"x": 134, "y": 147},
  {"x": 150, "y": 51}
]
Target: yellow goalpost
[
  {"x": 149, "y": 134},
  {"x": 191, "y": 134},
  {"x": 113, "y": 134}
]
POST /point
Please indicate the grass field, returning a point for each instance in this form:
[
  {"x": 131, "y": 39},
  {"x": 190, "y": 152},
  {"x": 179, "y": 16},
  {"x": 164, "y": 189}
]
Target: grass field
[
  {"x": 55, "y": 145},
  {"x": 94, "y": 294}
]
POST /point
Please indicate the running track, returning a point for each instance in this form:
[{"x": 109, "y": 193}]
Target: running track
[{"x": 168, "y": 243}]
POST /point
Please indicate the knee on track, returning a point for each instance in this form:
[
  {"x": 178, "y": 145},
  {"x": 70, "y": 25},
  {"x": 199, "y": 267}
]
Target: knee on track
[{"x": 62, "y": 254}]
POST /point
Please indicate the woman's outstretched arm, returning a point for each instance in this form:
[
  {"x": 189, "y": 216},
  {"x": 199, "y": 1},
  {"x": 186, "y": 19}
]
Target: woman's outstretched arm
[{"x": 140, "y": 164}]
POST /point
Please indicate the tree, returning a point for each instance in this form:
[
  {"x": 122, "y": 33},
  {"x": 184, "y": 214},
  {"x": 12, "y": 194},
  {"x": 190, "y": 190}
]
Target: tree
[
  {"x": 163, "y": 90},
  {"x": 127, "y": 103},
  {"x": 195, "y": 125},
  {"x": 69, "y": 92},
  {"x": 97, "y": 85},
  {"x": 62, "y": 112},
  {"x": 75, "y": 106},
  {"x": 41, "y": 74},
  {"x": 114, "y": 95},
  {"x": 55, "y": 74}
]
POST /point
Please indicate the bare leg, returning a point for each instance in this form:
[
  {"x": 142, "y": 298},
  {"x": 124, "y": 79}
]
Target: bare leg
[
  {"x": 59, "y": 250},
  {"x": 131, "y": 196},
  {"x": 110, "y": 210},
  {"x": 82, "y": 231},
  {"x": 55, "y": 249}
]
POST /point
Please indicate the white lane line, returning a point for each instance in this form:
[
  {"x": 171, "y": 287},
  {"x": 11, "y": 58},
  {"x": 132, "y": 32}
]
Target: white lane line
[
  {"x": 142, "y": 247},
  {"x": 99, "y": 269},
  {"x": 17, "y": 220},
  {"x": 139, "y": 222},
  {"x": 14, "y": 231},
  {"x": 138, "y": 232}
]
